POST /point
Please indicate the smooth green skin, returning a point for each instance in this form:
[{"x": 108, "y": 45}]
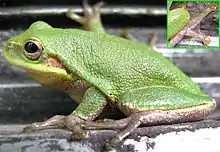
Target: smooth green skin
[
  {"x": 177, "y": 20},
  {"x": 125, "y": 73}
]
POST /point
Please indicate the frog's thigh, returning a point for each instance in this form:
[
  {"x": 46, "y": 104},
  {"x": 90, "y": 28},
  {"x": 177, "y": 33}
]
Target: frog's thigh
[
  {"x": 171, "y": 102},
  {"x": 156, "y": 105}
]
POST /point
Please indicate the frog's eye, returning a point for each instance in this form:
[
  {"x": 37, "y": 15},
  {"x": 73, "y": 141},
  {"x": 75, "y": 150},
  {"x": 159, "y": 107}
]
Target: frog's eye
[{"x": 33, "y": 50}]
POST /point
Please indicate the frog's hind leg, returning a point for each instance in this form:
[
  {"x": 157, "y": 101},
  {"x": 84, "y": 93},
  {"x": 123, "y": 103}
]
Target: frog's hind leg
[
  {"x": 91, "y": 20},
  {"x": 154, "y": 106},
  {"x": 194, "y": 21}
]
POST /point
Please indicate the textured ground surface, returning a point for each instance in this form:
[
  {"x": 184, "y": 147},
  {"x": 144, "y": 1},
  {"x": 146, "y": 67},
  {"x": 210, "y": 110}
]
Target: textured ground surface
[{"x": 186, "y": 137}]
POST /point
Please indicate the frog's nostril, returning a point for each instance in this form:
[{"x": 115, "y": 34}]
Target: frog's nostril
[{"x": 9, "y": 44}]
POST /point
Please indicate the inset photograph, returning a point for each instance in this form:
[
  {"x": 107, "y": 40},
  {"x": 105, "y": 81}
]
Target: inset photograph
[{"x": 192, "y": 24}]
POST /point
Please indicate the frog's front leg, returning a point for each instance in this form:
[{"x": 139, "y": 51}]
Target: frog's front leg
[
  {"x": 91, "y": 20},
  {"x": 187, "y": 30},
  {"x": 156, "y": 105},
  {"x": 91, "y": 106}
]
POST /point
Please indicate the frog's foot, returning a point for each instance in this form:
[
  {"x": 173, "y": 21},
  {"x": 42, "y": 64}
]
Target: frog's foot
[
  {"x": 91, "y": 20},
  {"x": 205, "y": 39},
  {"x": 151, "y": 41},
  {"x": 141, "y": 114},
  {"x": 71, "y": 122},
  {"x": 187, "y": 30},
  {"x": 124, "y": 127},
  {"x": 146, "y": 118},
  {"x": 126, "y": 34},
  {"x": 54, "y": 122}
]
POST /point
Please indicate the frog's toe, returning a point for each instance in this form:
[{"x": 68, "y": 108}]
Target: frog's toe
[
  {"x": 206, "y": 41},
  {"x": 73, "y": 122},
  {"x": 70, "y": 122},
  {"x": 28, "y": 129},
  {"x": 92, "y": 11},
  {"x": 52, "y": 123},
  {"x": 78, "y": 132},
  {"x": 213, "y": 6},
  {"x": 91, "y": 20},
  {"x": 152, "y": 40},
  {"x": 125, "y": 34},
  {"x": 70, "y": 14}
]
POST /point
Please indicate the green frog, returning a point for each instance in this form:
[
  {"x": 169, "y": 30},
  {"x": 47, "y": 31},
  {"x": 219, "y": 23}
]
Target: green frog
[{"x": 96, "y": 69}]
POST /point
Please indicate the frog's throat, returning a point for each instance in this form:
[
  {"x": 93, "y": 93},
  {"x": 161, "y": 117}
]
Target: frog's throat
[{"x": 57, "y": 77}]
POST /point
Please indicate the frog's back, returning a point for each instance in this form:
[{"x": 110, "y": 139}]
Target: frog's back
[
  {"x": 114, "y": 63},
  {"x": 134, "y": 65}
]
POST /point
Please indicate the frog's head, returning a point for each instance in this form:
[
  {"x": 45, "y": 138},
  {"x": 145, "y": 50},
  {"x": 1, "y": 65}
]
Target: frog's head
[{"x": 29, "y": 53}]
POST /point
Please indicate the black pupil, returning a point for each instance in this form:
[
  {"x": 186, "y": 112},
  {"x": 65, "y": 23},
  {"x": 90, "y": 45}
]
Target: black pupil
[{"x": 31, "y": 47}]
